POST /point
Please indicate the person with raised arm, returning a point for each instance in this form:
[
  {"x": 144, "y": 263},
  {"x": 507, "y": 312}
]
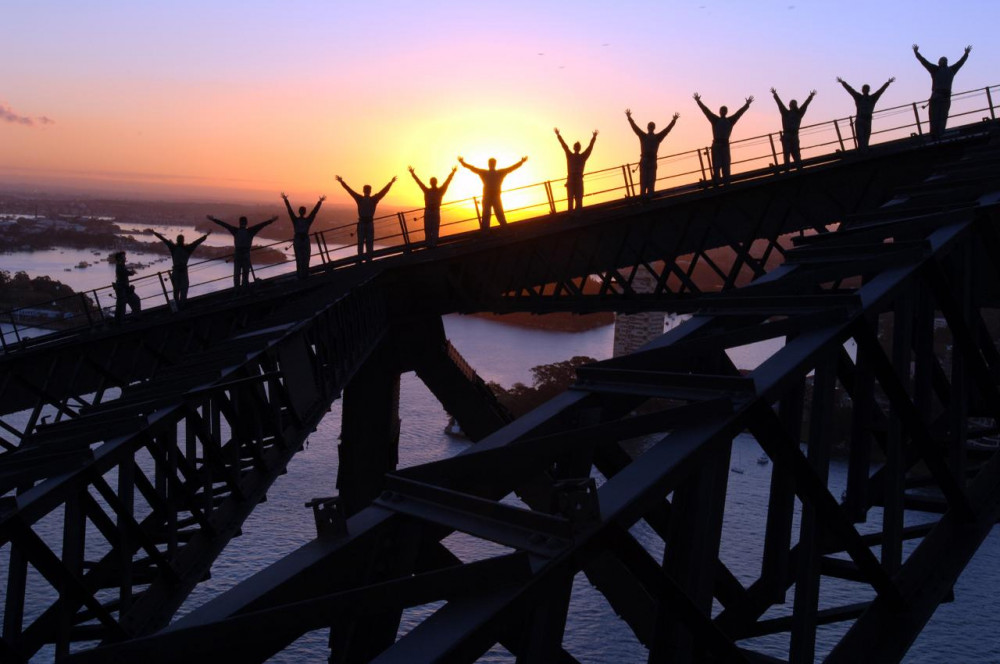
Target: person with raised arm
[
  {"x": 366, "y": 215},
  {"x": 300, "y": 240},
  {"x": 433, "y": 195},
  {"x": 722, "y": 129},
  {"x": 791, "y": 121},
  {"x": 941, "y": 79},
  {"x": 492, "y": 178},
  {"x": 576, "y": 161},
  {"x": 864, "y": 104},
  {"x": 649, "y": 145},
  {"x": 242, "y": 242},
  {"x": 180, "y": 253},
  {"x": 124, "y": 292}
]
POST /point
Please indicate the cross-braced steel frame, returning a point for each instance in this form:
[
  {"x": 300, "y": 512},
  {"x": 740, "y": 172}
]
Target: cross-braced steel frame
[
  {"x": 562, "y": 489},
  {"x": 165, "y": 436}
]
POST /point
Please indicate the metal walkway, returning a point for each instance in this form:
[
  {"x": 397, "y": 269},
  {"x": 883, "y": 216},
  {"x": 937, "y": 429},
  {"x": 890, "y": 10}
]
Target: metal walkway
[{"x": 166, "y": 433}]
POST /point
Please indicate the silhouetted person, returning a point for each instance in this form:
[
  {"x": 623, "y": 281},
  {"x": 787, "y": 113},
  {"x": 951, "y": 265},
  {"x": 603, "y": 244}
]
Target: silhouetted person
[
  {"x": 941, "y": 78},
  {"x": 124, "y": 292},
  {"x": 576, "y": 161},
  {"x": 722, "y": 129},
  {"x": 300, "y": 240},
  {"x": 649, "y": 142},
  {"x": 865, "y": 106},
  {"x": 492, "y": 178},
  {"x": 791, "y": 121},
  {"x": 433, "y": 195},
  {"x": 366, "y": 214},
  {"x": 180, "y": 253},
  {"x": 242, "y": 241}
]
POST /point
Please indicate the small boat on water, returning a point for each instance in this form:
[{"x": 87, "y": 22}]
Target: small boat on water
[{"x": 762, "y": 460}]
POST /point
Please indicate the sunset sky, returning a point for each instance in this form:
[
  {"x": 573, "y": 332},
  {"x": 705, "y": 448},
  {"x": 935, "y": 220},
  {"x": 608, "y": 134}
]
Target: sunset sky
[{"x": 243, "y": 99}]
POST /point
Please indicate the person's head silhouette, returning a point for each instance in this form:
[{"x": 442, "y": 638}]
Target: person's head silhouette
[
  {"x": 793, "y": 105},
  {"x": 576, "y": 146},
  {"x": 367, "y": 190},
  {"x": 492, "y": 164},
  {"x": 302, "y": 210},
  {"x": 180, "y": 240},
  {"x": 243, "y": 222},
  {"x": 943, "y": 62},
  {"x": 434, "y": 182},
  {"x": 651, "y": 127},
  {"x": 865, "y": 89},
  {"x": 722, "y": 111}
]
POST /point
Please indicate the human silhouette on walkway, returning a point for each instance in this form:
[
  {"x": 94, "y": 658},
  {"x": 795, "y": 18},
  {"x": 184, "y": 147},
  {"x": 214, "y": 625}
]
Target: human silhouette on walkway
[
  {"x": 864, "y": 103},
  {"x": 576, "y": 161},
  {"x": 300, "y": 240},
  {"x": 722, "y": 129},
  {"x": 366, "y": 215},
  {"x": 433, "y": 195},
  {"x": 242, "y": 241},
  {"x": 180, "y": 253},
  {"x": 124, "y": 292},
  {"x": 791, "y": 120},
  {"x": 492, "y": 178},
  {"x": 941, "y": 78},
  {"x": 649, "y": 145}
]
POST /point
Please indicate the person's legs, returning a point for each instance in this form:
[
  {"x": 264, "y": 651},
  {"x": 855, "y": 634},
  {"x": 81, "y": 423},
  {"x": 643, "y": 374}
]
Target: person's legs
[
  {"x": 432, "y": 225},
  {"x": 498, "y": 209},
  {"x": 300, "y": 243},
  {"x": 940, "y": 104},
  {"x": 484, "y": 223},
  {"x": 180, "y": 288},
  {"x": 863, "y": 131}
]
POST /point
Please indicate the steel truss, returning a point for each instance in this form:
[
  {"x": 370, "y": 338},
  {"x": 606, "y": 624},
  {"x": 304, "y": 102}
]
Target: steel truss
[
  {"x": 141, "y": 514},
  {"x": 561, "y": 489},
  {"x": 151, "y": 481}
]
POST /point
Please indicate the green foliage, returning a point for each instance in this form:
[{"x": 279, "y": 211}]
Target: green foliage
[{"x": 548, "y": 381}]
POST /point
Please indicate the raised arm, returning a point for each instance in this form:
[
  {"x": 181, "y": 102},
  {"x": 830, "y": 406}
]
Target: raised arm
[
  {"x": 288, "y": 206},
  {"x": 228, "y": 227},
  {"x": 477, "y": 171},
  {"x": 712, "y": 117},
  {"x": 447, "y": 181},
  {"x": 561, "y": 141},
  {"x": 590, "y": 147},
  {"x": 198, "y": 241},
  {"x": 670, "y": 126},
  {"x": 384, "y": 190},
  {"x": 635, "y": 127},
  {"x": 512, "y": 167},
  {"x": 743, "y": 109},
  {"x": 163, "y": 239},
  {"x": 878, "y": 93},
  {"x": 927, "y": 65},
  {"x": 413, "y": 174},
  {"x": 851, "y": 91},
  {"x": 256, "y": 228},
  {"x": 961, "y": 61},
  {"x": 315, "y": 210},
  {"x": 805, "y": 104},
  {"x": 777, "y": 99},
  {"x": 355, "y": 195}
]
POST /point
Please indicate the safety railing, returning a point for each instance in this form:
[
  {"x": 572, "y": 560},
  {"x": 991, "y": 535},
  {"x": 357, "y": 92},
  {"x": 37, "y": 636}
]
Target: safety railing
[{"x": 402, "y": 232}]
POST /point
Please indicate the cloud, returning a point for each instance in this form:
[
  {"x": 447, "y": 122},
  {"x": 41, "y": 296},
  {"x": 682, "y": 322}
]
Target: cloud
[{"x": 7, "y": 114}]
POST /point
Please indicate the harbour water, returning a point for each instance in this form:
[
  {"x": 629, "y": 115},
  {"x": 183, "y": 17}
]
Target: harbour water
[{"x": 963, "y": 631}]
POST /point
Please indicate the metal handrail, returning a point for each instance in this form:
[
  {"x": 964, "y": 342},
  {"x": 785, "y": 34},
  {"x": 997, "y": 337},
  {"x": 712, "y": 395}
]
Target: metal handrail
[{"x": 755, "y": 155}]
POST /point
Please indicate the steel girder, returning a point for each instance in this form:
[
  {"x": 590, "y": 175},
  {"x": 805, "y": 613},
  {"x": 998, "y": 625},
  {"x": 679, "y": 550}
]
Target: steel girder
[
  {"x": 580, "y": 490},
  {"x": 697, "y": 241},
  {"x": 149, "y": 486}
]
